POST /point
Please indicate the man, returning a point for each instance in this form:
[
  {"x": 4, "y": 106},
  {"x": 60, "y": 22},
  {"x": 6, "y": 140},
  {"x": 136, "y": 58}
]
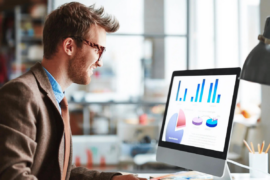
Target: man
[{"x": 35, "y": 137}]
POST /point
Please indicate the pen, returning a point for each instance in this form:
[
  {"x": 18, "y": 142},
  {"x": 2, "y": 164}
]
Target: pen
[
  {"x": 251, "y": 144},
  {"x": 247, "y": 145},
  {"x": 267, "y": 148},
  {"x": 262, "y": 147}
]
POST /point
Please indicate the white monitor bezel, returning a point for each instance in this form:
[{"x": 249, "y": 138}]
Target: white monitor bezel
[{"x": 196, "y": 150}]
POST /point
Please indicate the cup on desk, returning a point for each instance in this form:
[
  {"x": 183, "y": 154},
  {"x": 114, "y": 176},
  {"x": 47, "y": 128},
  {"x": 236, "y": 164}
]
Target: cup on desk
[{"x": 258, "y": 161}]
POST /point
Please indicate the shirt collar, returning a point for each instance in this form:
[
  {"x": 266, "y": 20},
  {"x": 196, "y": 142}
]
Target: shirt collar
[{"x": 57, "y": 90}]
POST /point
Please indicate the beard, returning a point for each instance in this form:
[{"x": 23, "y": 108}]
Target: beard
[{"x": 77, "y": 70}]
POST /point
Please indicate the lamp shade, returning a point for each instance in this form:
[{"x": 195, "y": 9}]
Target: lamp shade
[{"x": 257, "y": 65}]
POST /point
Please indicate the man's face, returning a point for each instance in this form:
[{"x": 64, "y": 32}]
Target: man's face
[{"x": 85, "y": 59}]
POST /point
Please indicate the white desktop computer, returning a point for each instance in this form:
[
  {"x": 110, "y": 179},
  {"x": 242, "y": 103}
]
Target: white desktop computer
[{"x": 198, "y": 119}]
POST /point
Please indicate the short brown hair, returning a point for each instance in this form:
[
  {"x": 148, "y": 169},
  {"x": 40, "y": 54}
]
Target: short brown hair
[{"x": 73, "y": 19}]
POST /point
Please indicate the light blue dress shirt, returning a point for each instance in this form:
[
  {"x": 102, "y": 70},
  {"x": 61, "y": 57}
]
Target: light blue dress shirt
[{"x": 57, "y": 90}]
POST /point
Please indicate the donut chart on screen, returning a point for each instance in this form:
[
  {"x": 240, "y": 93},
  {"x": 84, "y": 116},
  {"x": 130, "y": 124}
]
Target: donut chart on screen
[
  {"x": 177, "y": 120},
  {"x": 211, "y": 122}
]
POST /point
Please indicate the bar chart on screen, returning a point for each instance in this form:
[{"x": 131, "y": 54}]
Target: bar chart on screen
[
  {"x": 198, "y": 110},
  {"x": 213, "y": 96}
]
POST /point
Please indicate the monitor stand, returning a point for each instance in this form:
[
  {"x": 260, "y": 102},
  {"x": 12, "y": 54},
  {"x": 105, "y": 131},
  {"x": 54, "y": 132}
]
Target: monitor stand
[{"x": 227, "y": 174}]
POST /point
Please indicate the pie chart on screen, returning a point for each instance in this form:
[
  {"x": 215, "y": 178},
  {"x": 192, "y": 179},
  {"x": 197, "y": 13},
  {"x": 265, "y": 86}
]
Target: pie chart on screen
[
  {"x": 211, "y": 123},
  {"x": 197, "y": 121},
  {"x": 181, "y": 120},
  {"x": 177, "y": 120}
]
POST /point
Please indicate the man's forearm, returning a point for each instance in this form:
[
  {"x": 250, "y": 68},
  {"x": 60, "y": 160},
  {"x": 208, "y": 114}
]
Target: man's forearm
[{"x": 84, "y": 173}]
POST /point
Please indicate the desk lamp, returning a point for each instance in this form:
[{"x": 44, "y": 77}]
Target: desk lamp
[{"x": 257, "y": 65}]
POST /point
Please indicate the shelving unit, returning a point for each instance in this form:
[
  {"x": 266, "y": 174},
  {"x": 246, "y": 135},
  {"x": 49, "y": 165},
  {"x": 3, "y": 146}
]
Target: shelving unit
[
  {"x": 86, "y": 116},
  {"x": 26, "y": 38},
  {"x": 145, "y": 103}
]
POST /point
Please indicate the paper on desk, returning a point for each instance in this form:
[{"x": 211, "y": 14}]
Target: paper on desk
[{"x": 183, "y": 175}]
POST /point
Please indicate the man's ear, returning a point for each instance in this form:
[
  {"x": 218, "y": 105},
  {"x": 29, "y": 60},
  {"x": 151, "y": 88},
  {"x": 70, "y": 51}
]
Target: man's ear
[{"x": 69, "y": 46}]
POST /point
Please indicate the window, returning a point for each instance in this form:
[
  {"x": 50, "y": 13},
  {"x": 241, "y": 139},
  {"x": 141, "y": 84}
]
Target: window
[{"x": 222, "y": 33}]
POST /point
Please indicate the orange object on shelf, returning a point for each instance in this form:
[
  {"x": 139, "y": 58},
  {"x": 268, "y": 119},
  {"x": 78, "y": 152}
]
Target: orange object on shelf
[
  {"x": 18, "y": 67},
  {"x": 89, "y": 154},
  {"x": 102, "y": 162},
  {"x": 77, "y": 161},
  {"x": 143, "y": 119},
  {"x": 245, "y": 114}
]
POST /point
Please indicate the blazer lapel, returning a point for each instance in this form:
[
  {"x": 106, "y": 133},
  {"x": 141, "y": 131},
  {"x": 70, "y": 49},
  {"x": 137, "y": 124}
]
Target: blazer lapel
[{"x": 45, "y": 85}]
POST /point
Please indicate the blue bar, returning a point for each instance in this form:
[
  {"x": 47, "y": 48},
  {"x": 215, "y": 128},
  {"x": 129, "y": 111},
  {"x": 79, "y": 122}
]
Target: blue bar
[
  {"x": 198, "y": 89},
  {"x": 191, "y": 99},
  {"x": 178, "y": 90},
  {"x": 180, "y": 99},
  {"x": 210, "y": 92},
  {"x": 202, "y": 90},
  {"x": 185, "y": 95},
  {"x": 218, "y": 98},
  {"x": 215, "y": 91}
]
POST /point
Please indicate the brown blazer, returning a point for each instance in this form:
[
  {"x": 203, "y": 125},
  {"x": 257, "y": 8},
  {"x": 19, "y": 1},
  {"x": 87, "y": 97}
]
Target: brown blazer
[{"x": 31, "y": 132}]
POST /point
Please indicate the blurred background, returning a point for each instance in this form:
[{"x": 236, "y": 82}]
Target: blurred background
[{"x": 115, "y": 120}]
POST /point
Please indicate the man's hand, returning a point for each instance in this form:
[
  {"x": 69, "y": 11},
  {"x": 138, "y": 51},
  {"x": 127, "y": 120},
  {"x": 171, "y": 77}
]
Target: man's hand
[{"x": 127, "y": 177}]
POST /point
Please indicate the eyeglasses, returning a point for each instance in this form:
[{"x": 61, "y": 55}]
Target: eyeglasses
[{"x": 100, "y": 48}]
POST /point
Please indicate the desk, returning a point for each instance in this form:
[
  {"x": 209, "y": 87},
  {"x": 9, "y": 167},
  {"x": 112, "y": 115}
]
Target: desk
[{"x": 235, "y": 176}]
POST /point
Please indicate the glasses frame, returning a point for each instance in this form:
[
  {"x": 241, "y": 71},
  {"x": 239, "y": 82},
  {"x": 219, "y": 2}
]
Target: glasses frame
[{"x": 101, "y": 49}]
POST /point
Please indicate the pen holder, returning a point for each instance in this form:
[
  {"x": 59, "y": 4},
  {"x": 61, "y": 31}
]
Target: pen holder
[{"x": 259, "y": 162}]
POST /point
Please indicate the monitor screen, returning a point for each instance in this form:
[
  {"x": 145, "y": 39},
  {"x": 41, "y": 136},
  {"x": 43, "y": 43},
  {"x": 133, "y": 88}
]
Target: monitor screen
[{"x": 198, "y": 111}]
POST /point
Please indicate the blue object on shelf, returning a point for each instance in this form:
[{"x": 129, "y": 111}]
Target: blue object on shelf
[{"x": 132, "y": 149}]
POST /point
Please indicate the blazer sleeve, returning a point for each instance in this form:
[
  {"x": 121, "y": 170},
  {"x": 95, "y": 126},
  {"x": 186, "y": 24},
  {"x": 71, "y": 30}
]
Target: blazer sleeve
[
  {"x": 81, "y": 173},
  {"x": 17, "y": 131}
]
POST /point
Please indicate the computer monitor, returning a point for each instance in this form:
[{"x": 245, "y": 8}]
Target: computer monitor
[{"x": 198, "y": 119}]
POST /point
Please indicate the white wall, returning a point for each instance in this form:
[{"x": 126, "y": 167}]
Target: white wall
[{"x": 265, "y": 124}]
